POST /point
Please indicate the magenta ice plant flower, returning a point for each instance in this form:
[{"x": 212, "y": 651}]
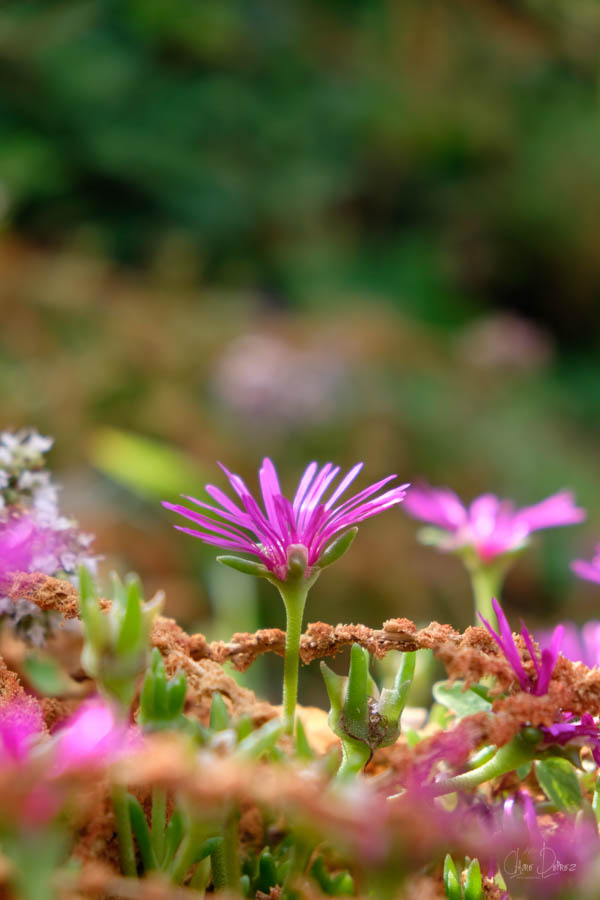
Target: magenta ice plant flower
[
  {"x": 487, "y": 533},
  {"x": 579, "y": 644},
  {"x": 290, "y": 541},
  {"x": 544, "y": 665},
  {"x": 310, "y": 521},
  {"x": 547, "y": 852},
  {"x": 17, "y": 535},
  {"x": 21, "y": 723},
  {"x": 490, "y": 526},
  {"x": 574, "y": 731},
  {"x": 96, "y": 734},
  {"x": 590, "y": 570}
]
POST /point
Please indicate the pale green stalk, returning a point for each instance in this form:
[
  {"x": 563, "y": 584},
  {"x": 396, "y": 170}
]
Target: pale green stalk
[
  {"x": 294, "y": 596},
  {"x": 124, "y": 833}
]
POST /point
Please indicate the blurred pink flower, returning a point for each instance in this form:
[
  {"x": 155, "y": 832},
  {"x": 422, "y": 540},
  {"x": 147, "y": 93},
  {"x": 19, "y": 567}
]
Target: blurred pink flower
[
  {"x": 306, "y": 521},
  {"x": 543, "y": 667},
  {"x": 21, "y": 721},
  {"x": 579, "y": 644},
  {"x": 488, "y": 525},
  {"x": 547, "y": 853},
  {"x": 95, "y": 734},
  {"x": 588, "y": 570},
  {"x": 16, "y": 544}
]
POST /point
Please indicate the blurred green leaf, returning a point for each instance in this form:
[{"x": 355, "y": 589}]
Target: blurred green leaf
[
  {"x": 147, "y": 467},
  {"x": 461, "y": 702}
]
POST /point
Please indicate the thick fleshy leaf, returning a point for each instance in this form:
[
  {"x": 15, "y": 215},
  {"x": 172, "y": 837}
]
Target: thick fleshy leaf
[
  {"x": 461, "y": 702},
  {"x": 451, "y": 882},
  {"x": 336, "y": 550},
  {"x": 558, "y": 780},
  {"x": 247, "y": 566}
]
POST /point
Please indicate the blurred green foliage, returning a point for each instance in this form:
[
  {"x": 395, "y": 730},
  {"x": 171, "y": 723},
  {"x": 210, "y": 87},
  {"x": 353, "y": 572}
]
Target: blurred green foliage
[{"x": 443, "y": 155}]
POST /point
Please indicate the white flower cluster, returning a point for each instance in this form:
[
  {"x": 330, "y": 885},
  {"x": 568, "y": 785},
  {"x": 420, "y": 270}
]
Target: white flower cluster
[{"x": 58, "y": 545}]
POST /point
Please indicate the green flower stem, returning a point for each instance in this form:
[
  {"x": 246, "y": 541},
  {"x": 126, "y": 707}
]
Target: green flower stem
[
  {"x": 231, "y": 850},
  {"x": 355, "y": 756},
  {"x": 217, "y": 862},
  {"x": 120, "y": 803},
  {"x": 520, "y": 750},
  {"x": 224, "y": 859},
  {"x": 294, "y": 596},
  {"x": 159, "y": 820},
  {"x": 486, "y": 581}
]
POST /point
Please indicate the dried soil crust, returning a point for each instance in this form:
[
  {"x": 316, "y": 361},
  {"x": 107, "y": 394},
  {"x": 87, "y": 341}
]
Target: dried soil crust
[{"x": 468, "y": 656}]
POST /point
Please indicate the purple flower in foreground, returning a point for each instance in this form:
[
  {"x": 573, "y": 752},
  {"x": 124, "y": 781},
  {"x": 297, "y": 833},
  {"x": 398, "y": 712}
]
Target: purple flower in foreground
[
  {"x": 308, "y": 523},
  {"x": 548, "y": 852},
  {"x": 291, "y": 540},
  {"x": 543, "y": 667},
  {"x": 573, "y": 731},
  {"x": 488, "y": 525},
  {"x": 588, "y": 570}
]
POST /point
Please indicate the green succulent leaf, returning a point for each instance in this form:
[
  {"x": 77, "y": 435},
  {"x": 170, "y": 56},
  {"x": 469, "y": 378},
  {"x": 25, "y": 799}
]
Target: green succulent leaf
[
  {"x": 47, "y": 677},
  {"x": 246, "y": 566},
  {"x": 303, "y": 748},
  {"x": 451, "y": 883},
  {"x": 473, "y": 882},
  {"x": 558, "y": 780},
  {"x": 262, "y": 740},
  {"x": 335, "y": 685},
  {"x": 453, "y": 696},
  {"x": 219, "y": 714},
  {"x": 339, "y": 547},
  {"x": 267, "y": 872}
]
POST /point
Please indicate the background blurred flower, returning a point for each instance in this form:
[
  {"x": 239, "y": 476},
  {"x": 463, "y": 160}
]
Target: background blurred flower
[
  {"x": 488, "y": 525},
  {"x": 505, "y": 341},
  {"x": 581, "y": 644},
  {"x": 34, "y": 535},
  {"x": 588, "y": 570},
  {"x": 274, "y": 384}
]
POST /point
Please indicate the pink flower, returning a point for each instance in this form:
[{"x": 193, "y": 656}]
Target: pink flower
[
  {"x": 578, "y": 732},
  {"x": 543, "y": 667},
  {"x": 579, "y": 644},
  {"x": 550, "y": 853},
  {"x": 95, "y": 734},
  {"x": 308, "y": 520},
  {"x": 489, "y": 525},
  {"x": 588, "y": 570},
  {"x": 16, "y": 548},
  {"x": 21, "y": 721}
]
